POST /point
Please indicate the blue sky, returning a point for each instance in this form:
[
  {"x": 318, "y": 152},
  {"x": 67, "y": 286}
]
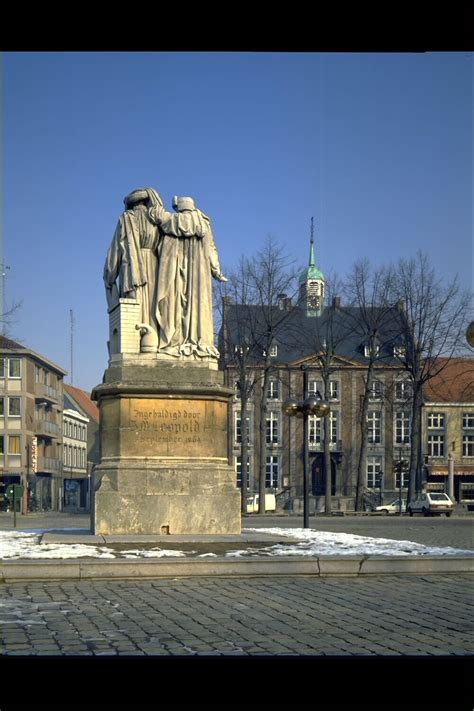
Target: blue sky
[{"x": 377, "y": 147}]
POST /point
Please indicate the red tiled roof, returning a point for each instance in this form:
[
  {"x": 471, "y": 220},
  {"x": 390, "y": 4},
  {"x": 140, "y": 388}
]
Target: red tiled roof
[
  {"x": 455, "y": 382},
  {"x": 83, "y": 400}
]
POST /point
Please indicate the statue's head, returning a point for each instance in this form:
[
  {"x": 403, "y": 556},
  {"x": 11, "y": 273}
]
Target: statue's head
[
  {"x": 135, "y": 197},
  {"x": 183, "y": 203}
]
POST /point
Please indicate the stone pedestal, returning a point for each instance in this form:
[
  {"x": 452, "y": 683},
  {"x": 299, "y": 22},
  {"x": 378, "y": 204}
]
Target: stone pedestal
[{"x": 164, "y": 465}]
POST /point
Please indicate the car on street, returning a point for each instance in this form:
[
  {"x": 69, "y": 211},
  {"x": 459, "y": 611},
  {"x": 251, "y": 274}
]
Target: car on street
[
  {"x": 431, "y": 503},
  {"x": 393, "y": 507}
]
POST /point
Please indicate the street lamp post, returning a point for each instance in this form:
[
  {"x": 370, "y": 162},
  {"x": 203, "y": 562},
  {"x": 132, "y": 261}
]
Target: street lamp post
[
  {"x": 470, "y": 334},
  {"x": 303, "y": 409}
]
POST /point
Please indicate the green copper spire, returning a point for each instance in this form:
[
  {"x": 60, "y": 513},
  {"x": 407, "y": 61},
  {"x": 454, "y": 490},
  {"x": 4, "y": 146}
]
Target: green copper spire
[
  {"x": 312, "y": 263},
  {"x": 312, "y": 272}
]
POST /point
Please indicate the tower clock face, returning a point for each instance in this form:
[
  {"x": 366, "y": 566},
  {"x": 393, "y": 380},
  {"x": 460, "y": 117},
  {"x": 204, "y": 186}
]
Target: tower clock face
[{"x": 313, "y": 301}]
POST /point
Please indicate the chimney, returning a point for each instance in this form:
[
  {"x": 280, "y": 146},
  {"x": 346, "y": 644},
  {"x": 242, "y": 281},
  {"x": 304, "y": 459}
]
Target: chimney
[{"x": 336, "y": 302}]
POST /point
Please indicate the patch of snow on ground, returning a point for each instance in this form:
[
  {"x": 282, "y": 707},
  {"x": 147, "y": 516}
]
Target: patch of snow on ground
[
  {"x": 317, "y": 543},
  {"x": 27, "y": 545},
  {"x": 154, "y": 553},
  {"x": 22, "y": 544}
]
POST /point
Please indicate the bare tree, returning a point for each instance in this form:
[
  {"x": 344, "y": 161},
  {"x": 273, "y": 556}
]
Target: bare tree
[
  {"x": 260, "y": 289},
  {"x": 236, "y": 348},
  {"x": 370, "y": 292},
  {"x": 432, "y": 327},
  {"x": 325, "y": 336},
  {"x": 272, "y": 278}
]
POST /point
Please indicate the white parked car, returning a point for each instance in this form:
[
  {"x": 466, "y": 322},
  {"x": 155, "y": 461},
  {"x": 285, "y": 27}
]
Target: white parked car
[
  {"x": 393, "y": 507},
  {"x": 431, "y": 503}
]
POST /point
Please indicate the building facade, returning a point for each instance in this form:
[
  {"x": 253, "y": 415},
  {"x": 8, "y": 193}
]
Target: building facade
[
  {"x": 31, "y": 406},
  {"x": 327, "y": 350},
  {"x": 75, "y": 479},
  {"x": 387, "y": 430},
  {"x": 83, "y": 413},
  {"x": 321, "y": 349},
  {"x": 448, "y": 429}
]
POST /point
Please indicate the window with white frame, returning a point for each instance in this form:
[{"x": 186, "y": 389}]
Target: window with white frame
[
  {"x": 2, "y": 445},
  {"x": 14, "y": 444},
  {"x": 315, "y": 386},
  {"x": 314, "y": 430},
  {"x": 333, "y": 426},
  {"x": 334, "y": 390},
  {"x": 374, "y": 427},
  {"x": 14, "y": 368},
  {"x": 405, "y": 477},
  {"x": 403, "y": 390},
  {"x": 399, "y": 351},
  {"x": 374, "y": 472},
  {"x": 2, "y": 367},
  {"x": 272, "y": 428},
  {"x": 238, "y": 471},
  {"x": 14, "y": 407},
  {"x": 376, "y": 390},
  {"x": 371, "y": 351},
  {"x": 2, "y": 405},
  {"x": 436, "y": 445},
  {"x": 272, "y": 471},
  {"x": 273, "y": 390},
  {"x": 402, "y": 427},
  {"x": 238, "y": 427},
  {"x": 468, "y": 420},
  {"x": 436, "y": 420},
  {"x": 468, "y": 445}
]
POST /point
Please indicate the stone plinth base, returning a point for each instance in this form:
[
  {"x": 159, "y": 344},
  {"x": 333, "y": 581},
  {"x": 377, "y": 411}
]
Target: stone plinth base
[
  {"x": 180, "y": 498},
  {"x": 164, "y": 440}
]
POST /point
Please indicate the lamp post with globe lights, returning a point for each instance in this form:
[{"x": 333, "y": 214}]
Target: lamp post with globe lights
[
  {"x": 470, "y": 334},
  {"x": 312, "y": 405}
]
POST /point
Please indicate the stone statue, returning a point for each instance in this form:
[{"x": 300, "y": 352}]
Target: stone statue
[
  {"x": 165, "y": 261},
  {"x": 187, "y": 257},
  {"x": 131, "y": 266}
]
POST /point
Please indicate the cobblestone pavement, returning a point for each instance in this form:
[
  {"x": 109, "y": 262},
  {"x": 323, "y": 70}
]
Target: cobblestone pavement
[{"x": 389, "y": 615}]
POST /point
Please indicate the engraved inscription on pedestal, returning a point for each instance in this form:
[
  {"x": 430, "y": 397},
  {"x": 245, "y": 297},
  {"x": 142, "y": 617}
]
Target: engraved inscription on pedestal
[{"x": 139, "y": 427}]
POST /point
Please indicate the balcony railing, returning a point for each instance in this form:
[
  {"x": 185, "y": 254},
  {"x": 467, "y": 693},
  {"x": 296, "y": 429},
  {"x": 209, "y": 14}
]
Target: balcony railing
[
  {"x": 48, "y": 465},
  {"x": 45, "y": 393},
  {"x": 46, "y": 428}
]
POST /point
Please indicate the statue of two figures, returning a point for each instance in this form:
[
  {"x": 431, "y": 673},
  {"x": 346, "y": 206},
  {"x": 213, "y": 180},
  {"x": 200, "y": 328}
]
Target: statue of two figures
[{"x": 165, "y": 261}]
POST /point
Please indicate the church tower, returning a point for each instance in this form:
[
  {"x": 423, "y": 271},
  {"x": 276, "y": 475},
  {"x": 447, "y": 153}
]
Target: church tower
[{"x": 312, "y": 284}]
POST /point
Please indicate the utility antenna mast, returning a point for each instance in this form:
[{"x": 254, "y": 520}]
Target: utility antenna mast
[
  {"x": 71, "y": 317},
  {"x": 3, "y": 275}
]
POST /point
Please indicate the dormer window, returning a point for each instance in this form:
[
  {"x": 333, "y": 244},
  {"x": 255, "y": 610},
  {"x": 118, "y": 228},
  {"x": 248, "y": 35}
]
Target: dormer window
[
  {"x": 273, "y": 351},
  {"x": 373, "y": 350},
  {"x": 399, "y": 351}
]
